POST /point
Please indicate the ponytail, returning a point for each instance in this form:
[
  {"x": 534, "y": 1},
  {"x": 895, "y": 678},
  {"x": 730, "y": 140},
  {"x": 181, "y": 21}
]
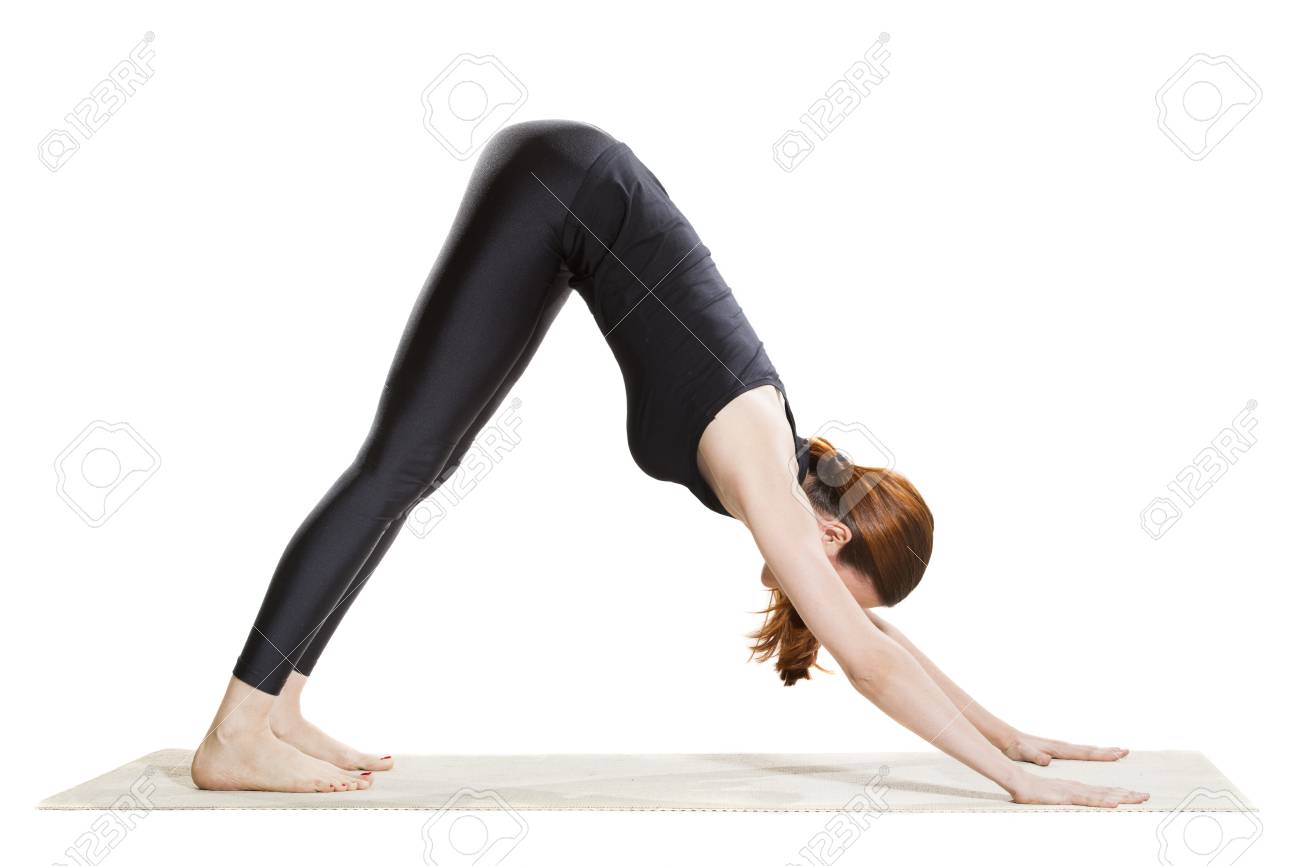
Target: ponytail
[{"x": 785, "y": 636}]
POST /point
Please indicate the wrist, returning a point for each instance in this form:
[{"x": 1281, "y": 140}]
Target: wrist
[{"x": 1014, "y": 778}]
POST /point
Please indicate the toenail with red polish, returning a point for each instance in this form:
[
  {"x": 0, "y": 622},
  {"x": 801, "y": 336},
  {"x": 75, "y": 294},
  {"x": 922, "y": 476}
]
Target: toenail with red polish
[
  {"x": 385, "y": 757},
  {"x": 366, "y": 773}
]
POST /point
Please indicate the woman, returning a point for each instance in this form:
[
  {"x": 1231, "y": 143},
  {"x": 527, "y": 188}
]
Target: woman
[{"x": 555, "y": 205}]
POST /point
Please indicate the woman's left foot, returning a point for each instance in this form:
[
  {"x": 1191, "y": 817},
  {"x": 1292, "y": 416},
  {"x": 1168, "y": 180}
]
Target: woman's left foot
[{"x": 311, "y": 740}]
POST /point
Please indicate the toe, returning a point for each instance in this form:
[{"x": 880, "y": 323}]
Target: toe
[{"x": 375, "y": 762}]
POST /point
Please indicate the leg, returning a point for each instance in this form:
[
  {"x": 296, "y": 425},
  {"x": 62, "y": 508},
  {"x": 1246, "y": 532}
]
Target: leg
[
  {"x": 480, "y": 313},
  {"x": 287, "y": 720},
  {"x": 474, "y": 320},
  {"x": 305, "y": 661},
  {"x": 240, "y": 753}
]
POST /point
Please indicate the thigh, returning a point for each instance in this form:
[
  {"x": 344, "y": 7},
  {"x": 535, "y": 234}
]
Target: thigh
[
  {"x": 559, "y": 293},
  {"x": 494, "y": 288}
]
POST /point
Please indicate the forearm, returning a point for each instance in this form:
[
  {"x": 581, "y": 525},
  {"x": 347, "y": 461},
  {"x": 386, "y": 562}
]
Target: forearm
[
  {"x": 905, "y": 691},
  {"x": 998, "y": 732},
  {"x": 881, "y": 670}
]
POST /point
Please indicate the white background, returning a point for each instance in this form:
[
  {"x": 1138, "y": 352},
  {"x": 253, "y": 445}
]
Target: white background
[{"x": 998, "y": 262}]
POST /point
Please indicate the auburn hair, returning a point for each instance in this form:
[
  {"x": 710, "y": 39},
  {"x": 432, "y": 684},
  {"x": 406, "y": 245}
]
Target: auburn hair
[{"x": 891, "y": 536}]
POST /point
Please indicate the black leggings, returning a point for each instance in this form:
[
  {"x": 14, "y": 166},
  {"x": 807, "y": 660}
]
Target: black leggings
[{"x": 496, "y": 286}]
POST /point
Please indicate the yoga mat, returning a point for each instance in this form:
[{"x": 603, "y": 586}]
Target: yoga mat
[{"x": 870, "y": 783}]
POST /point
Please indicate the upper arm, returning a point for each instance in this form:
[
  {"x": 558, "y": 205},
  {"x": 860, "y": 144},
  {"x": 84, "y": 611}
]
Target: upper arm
[
  {"x": 893, "y": 633},
  {"x": 747, "y": 455},
  {"x": 787, "y": 537}
]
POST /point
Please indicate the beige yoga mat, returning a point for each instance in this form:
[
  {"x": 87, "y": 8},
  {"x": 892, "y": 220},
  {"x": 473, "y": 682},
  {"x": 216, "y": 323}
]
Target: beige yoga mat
[{"x": 868, "y": 783}]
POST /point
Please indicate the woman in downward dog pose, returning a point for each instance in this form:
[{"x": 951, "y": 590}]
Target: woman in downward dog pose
[{"x": 554, "y": 206}]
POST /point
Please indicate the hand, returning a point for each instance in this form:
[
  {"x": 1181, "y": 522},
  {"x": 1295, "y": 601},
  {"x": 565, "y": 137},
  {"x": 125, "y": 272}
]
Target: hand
[
  {"x": 1064, "y": 792},
  {"x": 1040, "y": 751}
]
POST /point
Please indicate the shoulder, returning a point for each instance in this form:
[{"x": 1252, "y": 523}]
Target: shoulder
[{"x": 746, "y": 453}]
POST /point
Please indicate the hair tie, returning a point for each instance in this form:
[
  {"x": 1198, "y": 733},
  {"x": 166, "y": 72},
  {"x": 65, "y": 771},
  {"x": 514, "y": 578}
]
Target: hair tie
[{"x": 834, "y": 469}]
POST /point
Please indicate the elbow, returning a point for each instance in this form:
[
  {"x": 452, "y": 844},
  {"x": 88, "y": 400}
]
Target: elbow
[{"x": 873, "y": 671}]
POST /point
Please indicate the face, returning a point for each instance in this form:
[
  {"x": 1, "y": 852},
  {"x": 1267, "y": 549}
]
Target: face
[{"x": 834, "y": 535}]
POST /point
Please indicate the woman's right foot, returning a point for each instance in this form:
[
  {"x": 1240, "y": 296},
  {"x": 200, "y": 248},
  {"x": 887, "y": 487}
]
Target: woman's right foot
[{"x": 257, "y": 760}]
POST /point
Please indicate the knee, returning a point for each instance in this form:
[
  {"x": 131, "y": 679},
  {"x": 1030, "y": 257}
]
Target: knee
[{"x": 391, "y": 484}]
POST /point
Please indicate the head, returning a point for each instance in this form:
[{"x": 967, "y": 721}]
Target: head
[{"x": 877, "y": 533}]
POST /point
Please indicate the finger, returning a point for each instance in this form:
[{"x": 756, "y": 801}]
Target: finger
[
  {"x": 1109, "y": 753},
  {"x": 1125, "y": 795},
  {"x": 1095, "y": 800},
  {"x": 1073, "y": 752},
  {"x": 1029, "y": 755},
  {"x": 1102, "y": 797}
]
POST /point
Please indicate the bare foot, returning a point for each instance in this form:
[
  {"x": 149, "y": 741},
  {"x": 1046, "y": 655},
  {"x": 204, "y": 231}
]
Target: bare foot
[
  {"x": 259, "y": 761},
  {"x": 311, "y": 740},
  {"x": 240, "y": 753},
  {"x": 288, "y": 724}
]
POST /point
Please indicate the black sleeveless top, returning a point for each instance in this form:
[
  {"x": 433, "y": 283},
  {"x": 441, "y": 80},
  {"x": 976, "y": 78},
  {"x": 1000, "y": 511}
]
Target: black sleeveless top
[{"x": 680, "y": 338}]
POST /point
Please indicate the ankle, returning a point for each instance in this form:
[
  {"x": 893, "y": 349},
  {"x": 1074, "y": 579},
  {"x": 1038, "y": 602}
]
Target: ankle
[
  {"x": 284, "y": 720},
  {"x": 237, "y": 727},
  {"x": 244, "y": 711}
]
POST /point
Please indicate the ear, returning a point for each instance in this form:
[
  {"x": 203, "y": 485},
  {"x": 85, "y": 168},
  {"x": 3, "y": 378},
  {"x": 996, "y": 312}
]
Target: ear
[{"x": 837, "y": 532}]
